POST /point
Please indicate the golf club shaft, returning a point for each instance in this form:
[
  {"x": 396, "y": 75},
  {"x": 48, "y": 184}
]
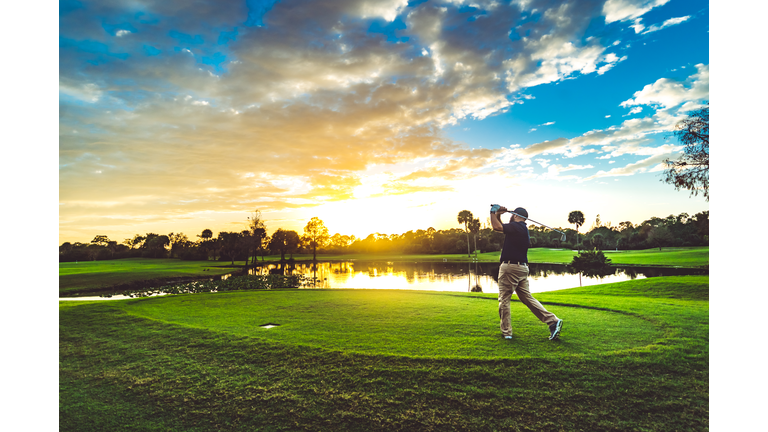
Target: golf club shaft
[{"x": 510, "y": 211}]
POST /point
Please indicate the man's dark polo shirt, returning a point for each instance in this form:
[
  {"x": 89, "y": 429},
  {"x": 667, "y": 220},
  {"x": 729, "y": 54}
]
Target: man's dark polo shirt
[{"x": 516, "y": 242}]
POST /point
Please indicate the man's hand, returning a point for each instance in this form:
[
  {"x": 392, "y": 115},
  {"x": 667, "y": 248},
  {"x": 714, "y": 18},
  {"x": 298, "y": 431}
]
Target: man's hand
[{"x": 496, "y": 220}]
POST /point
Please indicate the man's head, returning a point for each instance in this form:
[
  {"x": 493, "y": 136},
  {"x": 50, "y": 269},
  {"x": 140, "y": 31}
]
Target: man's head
[{"x": 520, "y": 211}]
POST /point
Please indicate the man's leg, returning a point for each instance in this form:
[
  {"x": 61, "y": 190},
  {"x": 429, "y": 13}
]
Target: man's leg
[
  {"x": 507, "y": 284},
  {"x": 527, "y": 299}
]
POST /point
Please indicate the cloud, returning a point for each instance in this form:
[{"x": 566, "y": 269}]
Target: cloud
[
  {"x": 668, "y": 23},
  {"x": 653, "y": 163},
  {"x": 623, "y": 10},
  {"x": 668, "y": 93},
  {"x": 87, "y": 92},
  {"x": 222, "y": 106},
  {"x": 554, "y": 172},
  {"x": 632, "y": 136},
  {"x": 559, "y": 146},
  {"x": 386, "y": 9}
]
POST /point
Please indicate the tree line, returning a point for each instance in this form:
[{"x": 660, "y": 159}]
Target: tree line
[{"x": 254, "y": 242}]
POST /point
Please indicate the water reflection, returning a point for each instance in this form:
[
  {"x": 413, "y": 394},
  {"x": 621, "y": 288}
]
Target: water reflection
[{"x": 444, "y": 276}]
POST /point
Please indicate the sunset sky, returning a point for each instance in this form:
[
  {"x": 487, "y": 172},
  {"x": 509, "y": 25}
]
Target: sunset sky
[{"x": 375, "y": 116}]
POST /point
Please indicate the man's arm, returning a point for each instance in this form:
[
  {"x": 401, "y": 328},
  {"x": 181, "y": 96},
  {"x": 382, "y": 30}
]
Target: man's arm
[{"x": 496, "y": 219}]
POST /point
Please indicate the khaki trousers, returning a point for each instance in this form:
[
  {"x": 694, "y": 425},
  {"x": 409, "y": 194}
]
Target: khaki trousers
[{"x": 513, "y": 278}]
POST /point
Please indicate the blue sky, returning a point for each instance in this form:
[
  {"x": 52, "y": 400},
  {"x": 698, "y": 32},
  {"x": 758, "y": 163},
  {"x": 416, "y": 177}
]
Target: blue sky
[{"x": 180, "y": 117}]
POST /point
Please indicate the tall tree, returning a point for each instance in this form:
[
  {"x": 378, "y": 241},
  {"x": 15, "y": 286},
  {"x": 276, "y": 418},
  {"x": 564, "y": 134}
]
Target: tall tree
[
  {"x": 315, "y": 235},
  {"x": 691, "y": 171},
  {"x": 474, "y": 227},
  {"x": 465, "y": 217},
  {"x": 576, "y": 217},
  {"x": 660, "y": 236},
  {"x": 155, "y": 245},
  {"x": 179, "y": 242},
  {"x": 231, "y": 243},
  {"x": 134, "y": 242},
  {"x": 101, "y": 240},
  {"x": 284, "y": 241},
  {"x": 206, "y": 243},
  {"x": 258, "y": 233}
]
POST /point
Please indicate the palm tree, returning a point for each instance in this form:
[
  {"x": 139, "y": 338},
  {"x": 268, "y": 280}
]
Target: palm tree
[
  {"x": 205, "y": 236},
  {"x": 474, "y": 227},
  {"x": 465, "y": 217},
  {"x": 576, "y": 217}
]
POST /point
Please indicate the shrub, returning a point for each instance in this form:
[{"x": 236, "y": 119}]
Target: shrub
[{"x": 592, "y": 263}]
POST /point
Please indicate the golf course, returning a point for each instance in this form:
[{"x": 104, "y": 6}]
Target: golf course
[{"x": 633, "y": 356}]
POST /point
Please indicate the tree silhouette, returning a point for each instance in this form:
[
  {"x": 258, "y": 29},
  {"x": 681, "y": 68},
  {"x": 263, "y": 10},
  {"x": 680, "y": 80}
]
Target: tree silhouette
[
  {"x": 179, "y": 242},
  {"x": 691, "y": 171},
  {"x": 134, "y": 242},
  {"x": 284, "y": 241},
  {"x": 315, "y": 235},
  {"x": 154, "y": 245},
  {"x": 230, "y": 244},
  {"x": 206, "y": 244},
  {"x": 100, "y": 240},
  {"x": 576, "y": 217},
  {"x": 256, "y": 236},
  {"x": 465, "y": 217},
  {"x": 474, "y": 228}
]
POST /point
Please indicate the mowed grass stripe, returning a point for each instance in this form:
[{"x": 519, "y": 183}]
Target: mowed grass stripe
[{"x": 397, "y": 322}]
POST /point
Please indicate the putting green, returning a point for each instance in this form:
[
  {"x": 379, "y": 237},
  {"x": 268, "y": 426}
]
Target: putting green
[{"x": 398, "y": 322}]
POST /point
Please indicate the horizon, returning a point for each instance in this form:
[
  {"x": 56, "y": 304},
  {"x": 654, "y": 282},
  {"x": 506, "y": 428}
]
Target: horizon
[
  {"x": 373, "y": 116},
  {"x": 583, "y": 230}
]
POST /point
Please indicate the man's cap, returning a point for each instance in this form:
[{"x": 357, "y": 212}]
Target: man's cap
[{"x": 521, "y": 211}]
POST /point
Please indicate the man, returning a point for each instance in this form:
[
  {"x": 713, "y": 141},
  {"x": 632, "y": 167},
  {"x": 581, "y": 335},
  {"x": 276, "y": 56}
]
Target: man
[{"x": 513, "y": 272}]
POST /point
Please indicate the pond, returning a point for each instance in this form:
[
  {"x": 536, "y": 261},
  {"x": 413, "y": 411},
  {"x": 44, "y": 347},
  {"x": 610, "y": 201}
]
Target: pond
[
  {"x": 437, "y": 276},
  {"x": 445, "y": 276}
]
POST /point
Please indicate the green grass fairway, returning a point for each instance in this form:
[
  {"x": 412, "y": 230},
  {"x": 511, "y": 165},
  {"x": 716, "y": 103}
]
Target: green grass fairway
[
  {"x": 633, "y": 357},
  {"x": 667, "y": 257},
  {"x": 677, "y": 257},
  {"x": 396, "y": 322},
  {"x": 92, "y": 275}
]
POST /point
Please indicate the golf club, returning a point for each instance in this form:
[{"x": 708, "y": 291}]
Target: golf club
[{"x": 495, "y": 207}]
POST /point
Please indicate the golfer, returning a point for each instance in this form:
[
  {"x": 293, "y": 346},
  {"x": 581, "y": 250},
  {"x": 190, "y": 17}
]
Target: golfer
[{"x": 513, "y": 273}]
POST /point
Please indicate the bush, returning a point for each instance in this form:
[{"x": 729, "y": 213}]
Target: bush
[{"x": 592, "y": 263}]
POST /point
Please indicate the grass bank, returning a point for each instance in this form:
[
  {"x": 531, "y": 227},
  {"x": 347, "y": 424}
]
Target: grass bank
[
  {"x": 633, "y": 356},
  {"x": 91, "y": 276}
]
